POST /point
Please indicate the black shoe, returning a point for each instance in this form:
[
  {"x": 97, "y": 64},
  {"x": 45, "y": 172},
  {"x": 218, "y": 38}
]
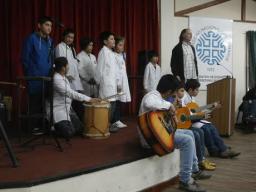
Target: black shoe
[
  {"x": 191, "y": 187},
  {"x": 200, "y": 175},
  {"x": 229, "y": 154},
  {"x": 37, "y": 131}
]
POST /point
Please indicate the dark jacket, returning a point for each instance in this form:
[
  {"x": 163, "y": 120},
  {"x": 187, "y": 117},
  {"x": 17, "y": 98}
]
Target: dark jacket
[{"x": 177, "y": 63}]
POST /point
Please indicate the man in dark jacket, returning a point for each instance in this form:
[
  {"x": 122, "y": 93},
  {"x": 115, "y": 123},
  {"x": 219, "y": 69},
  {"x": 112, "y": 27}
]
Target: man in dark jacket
[{"x": 183, "y": 61}]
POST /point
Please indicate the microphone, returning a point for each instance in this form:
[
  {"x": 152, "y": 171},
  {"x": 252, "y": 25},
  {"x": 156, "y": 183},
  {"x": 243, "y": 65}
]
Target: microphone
[{"x": 226, "y": 70}]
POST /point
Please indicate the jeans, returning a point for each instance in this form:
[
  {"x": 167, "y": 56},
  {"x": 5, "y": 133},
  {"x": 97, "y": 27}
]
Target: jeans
[
  {"x": 184, "y": 140},
  {"x": 199, "y": 140},
  {"x": 213, "y": 142}
]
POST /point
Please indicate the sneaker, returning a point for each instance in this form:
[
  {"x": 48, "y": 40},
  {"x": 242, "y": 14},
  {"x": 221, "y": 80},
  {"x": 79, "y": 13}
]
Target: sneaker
[
  {"x": 210, "y": 163},
  {"x": 229, "y": 154},
  {"x": 113, "y": 128},
  {"x": 191, "y": 187},
  {"x": 120, "y": 124},
  {"x": 214, "y": 154},
  {"x": 37, "y": 131},
  {"x": 206, "y": 165},
  {"x": 199, "y": 175}
]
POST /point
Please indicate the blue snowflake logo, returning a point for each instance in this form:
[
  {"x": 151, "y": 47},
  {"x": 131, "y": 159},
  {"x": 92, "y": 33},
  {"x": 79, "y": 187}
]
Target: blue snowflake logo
[{"x": 210, "y": 48}]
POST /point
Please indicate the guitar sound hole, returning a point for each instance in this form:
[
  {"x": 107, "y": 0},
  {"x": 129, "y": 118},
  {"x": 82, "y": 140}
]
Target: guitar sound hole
[
  {"x": 183, "y": 118},
  {"x": 193, "y": 110}
]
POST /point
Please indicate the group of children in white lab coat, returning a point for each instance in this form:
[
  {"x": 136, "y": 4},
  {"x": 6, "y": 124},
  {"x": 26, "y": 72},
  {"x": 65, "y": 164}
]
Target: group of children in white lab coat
[{"x": 86, "y": 76}]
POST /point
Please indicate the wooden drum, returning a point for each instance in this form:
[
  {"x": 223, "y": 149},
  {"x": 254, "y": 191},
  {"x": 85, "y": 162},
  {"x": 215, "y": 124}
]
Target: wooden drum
[{"x": 96, "y": 120}]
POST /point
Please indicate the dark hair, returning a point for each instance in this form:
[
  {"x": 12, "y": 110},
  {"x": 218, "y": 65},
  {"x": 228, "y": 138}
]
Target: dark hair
[
  {"x": 181, "y": 85},
  {"x": 118, "y": 39},
  {"x": 44, "y": 19},
  {"x": 59, "y": 63},
  {"x": 68, "y": 31},
  {"x": 152, "y": 54},
  {"x": 105, "y": 35},
  {"x": 192, "y": 84},
  {"x": 182, "y": 33},
  {"x": 167, "y": 83},
  {"x": 84, "y": 42}
]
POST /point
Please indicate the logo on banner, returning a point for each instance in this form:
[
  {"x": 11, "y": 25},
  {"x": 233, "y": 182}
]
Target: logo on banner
[{"x": 210, "y": 45}]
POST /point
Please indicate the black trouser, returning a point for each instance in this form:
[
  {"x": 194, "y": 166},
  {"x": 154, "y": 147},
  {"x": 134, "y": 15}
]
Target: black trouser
[
  {"x": 79, "y": 109},
  {"x": 115, "y": 111},
  {"x": 36, "y": 106},
  {"x": 64, "y": 129}
]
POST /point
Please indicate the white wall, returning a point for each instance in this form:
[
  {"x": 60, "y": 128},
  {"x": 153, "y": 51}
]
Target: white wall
[{"x": 171, "y": 27}]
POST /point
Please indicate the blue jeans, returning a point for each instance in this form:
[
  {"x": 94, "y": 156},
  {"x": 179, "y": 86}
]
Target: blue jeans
[
  {"x": 184, "y": 140},
  {"x": 213, "y": 142},
  {"x": 199, "y": 140}
]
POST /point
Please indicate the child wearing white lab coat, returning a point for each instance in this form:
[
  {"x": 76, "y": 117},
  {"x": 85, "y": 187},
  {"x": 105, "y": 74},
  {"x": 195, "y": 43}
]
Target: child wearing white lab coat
[
  {"x": 66, "y": 49},
  {"x": 126, "y": 97},
  {"x": 107, "y": 74},
  {"x": 152, "y": 73},
  {"x": 87, "y": 66},
  {"x": 63, "y": 95}
]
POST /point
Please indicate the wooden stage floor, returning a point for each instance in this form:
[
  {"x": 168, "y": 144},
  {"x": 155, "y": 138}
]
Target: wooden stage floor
[{"x": 45, "y": 163}]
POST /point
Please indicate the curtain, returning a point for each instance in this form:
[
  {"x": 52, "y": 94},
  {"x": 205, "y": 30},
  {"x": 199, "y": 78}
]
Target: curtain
[
  {"x": 136, "y": 20},
  {"x": 251, "y": 59}
]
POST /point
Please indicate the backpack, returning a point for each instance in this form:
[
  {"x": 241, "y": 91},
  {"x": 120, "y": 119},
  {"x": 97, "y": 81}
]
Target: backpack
[{"x": 248, "y": 108}]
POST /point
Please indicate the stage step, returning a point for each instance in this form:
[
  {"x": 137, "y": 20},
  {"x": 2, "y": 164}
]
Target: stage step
[{"x": 130, "y": 177}]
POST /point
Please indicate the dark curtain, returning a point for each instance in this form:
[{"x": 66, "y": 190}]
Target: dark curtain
[
  {"x": 251, "y": 59},
  {"x": 136, "y": 20}
]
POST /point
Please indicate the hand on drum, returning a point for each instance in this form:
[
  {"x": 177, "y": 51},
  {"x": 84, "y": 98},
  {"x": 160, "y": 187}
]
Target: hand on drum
[{"x": 95, "y": 100}]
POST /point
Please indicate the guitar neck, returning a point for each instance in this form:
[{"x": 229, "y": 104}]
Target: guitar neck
[
  {"x": 209, "y": 106},
  {"x": 196, "y": 117}
]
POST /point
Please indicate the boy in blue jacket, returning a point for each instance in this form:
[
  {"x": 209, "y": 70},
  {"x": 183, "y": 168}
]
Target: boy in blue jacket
[{"x": 36, "y": 60}]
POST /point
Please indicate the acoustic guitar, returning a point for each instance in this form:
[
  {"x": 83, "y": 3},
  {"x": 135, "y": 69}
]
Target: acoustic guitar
[
  {"x": 194, "y": 107},
  {"x": 158, "y": 129},
  {"x": 184, "y": 117}
]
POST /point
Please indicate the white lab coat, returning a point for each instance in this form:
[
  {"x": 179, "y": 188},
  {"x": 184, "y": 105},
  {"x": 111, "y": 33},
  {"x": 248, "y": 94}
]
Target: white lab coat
[
  {"x": 86, "y": 68},
  {"x": 151, "y": 101},
  {"x": 62, "y": 98},
  {"x": 152, "y": 76},
  {"x": 123, "y": 78},
  {"x": 63, "y": 50},
  {"x": 106, "y": 74}
]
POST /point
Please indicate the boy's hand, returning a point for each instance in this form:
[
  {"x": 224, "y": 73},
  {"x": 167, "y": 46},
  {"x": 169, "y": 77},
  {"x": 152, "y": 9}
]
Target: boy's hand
[
  {"x": 207, "y": 115},
  {"x": 95, "y": 100},
  {"x": 172, "y": 110},
  {"x": 217, "y": 105}
]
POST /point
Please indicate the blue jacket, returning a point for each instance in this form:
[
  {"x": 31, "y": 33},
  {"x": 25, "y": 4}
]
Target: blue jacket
[{"x": 36, "y": 59}]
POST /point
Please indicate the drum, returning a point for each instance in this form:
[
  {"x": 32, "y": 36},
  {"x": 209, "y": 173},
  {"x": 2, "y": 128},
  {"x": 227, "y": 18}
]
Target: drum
[{"x": 96, "y": 120}]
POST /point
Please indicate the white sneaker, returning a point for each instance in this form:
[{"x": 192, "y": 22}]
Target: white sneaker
[{"x": 120, "y": 125}]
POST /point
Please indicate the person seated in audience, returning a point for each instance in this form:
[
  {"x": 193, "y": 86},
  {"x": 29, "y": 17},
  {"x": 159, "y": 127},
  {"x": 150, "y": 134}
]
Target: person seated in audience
[
  {"x": 213, "y": 142},
  {"x": 63, "y": 95},
  {"x": 204, "y": 163},
  {"x": 183, "y": 139}
]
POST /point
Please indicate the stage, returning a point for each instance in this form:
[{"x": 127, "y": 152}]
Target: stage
[{"x": 45, "y": 163}]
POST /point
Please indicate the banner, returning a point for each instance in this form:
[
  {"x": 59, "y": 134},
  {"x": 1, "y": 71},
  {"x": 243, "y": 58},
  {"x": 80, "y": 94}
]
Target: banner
[{"x": 212, "y": 39}]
